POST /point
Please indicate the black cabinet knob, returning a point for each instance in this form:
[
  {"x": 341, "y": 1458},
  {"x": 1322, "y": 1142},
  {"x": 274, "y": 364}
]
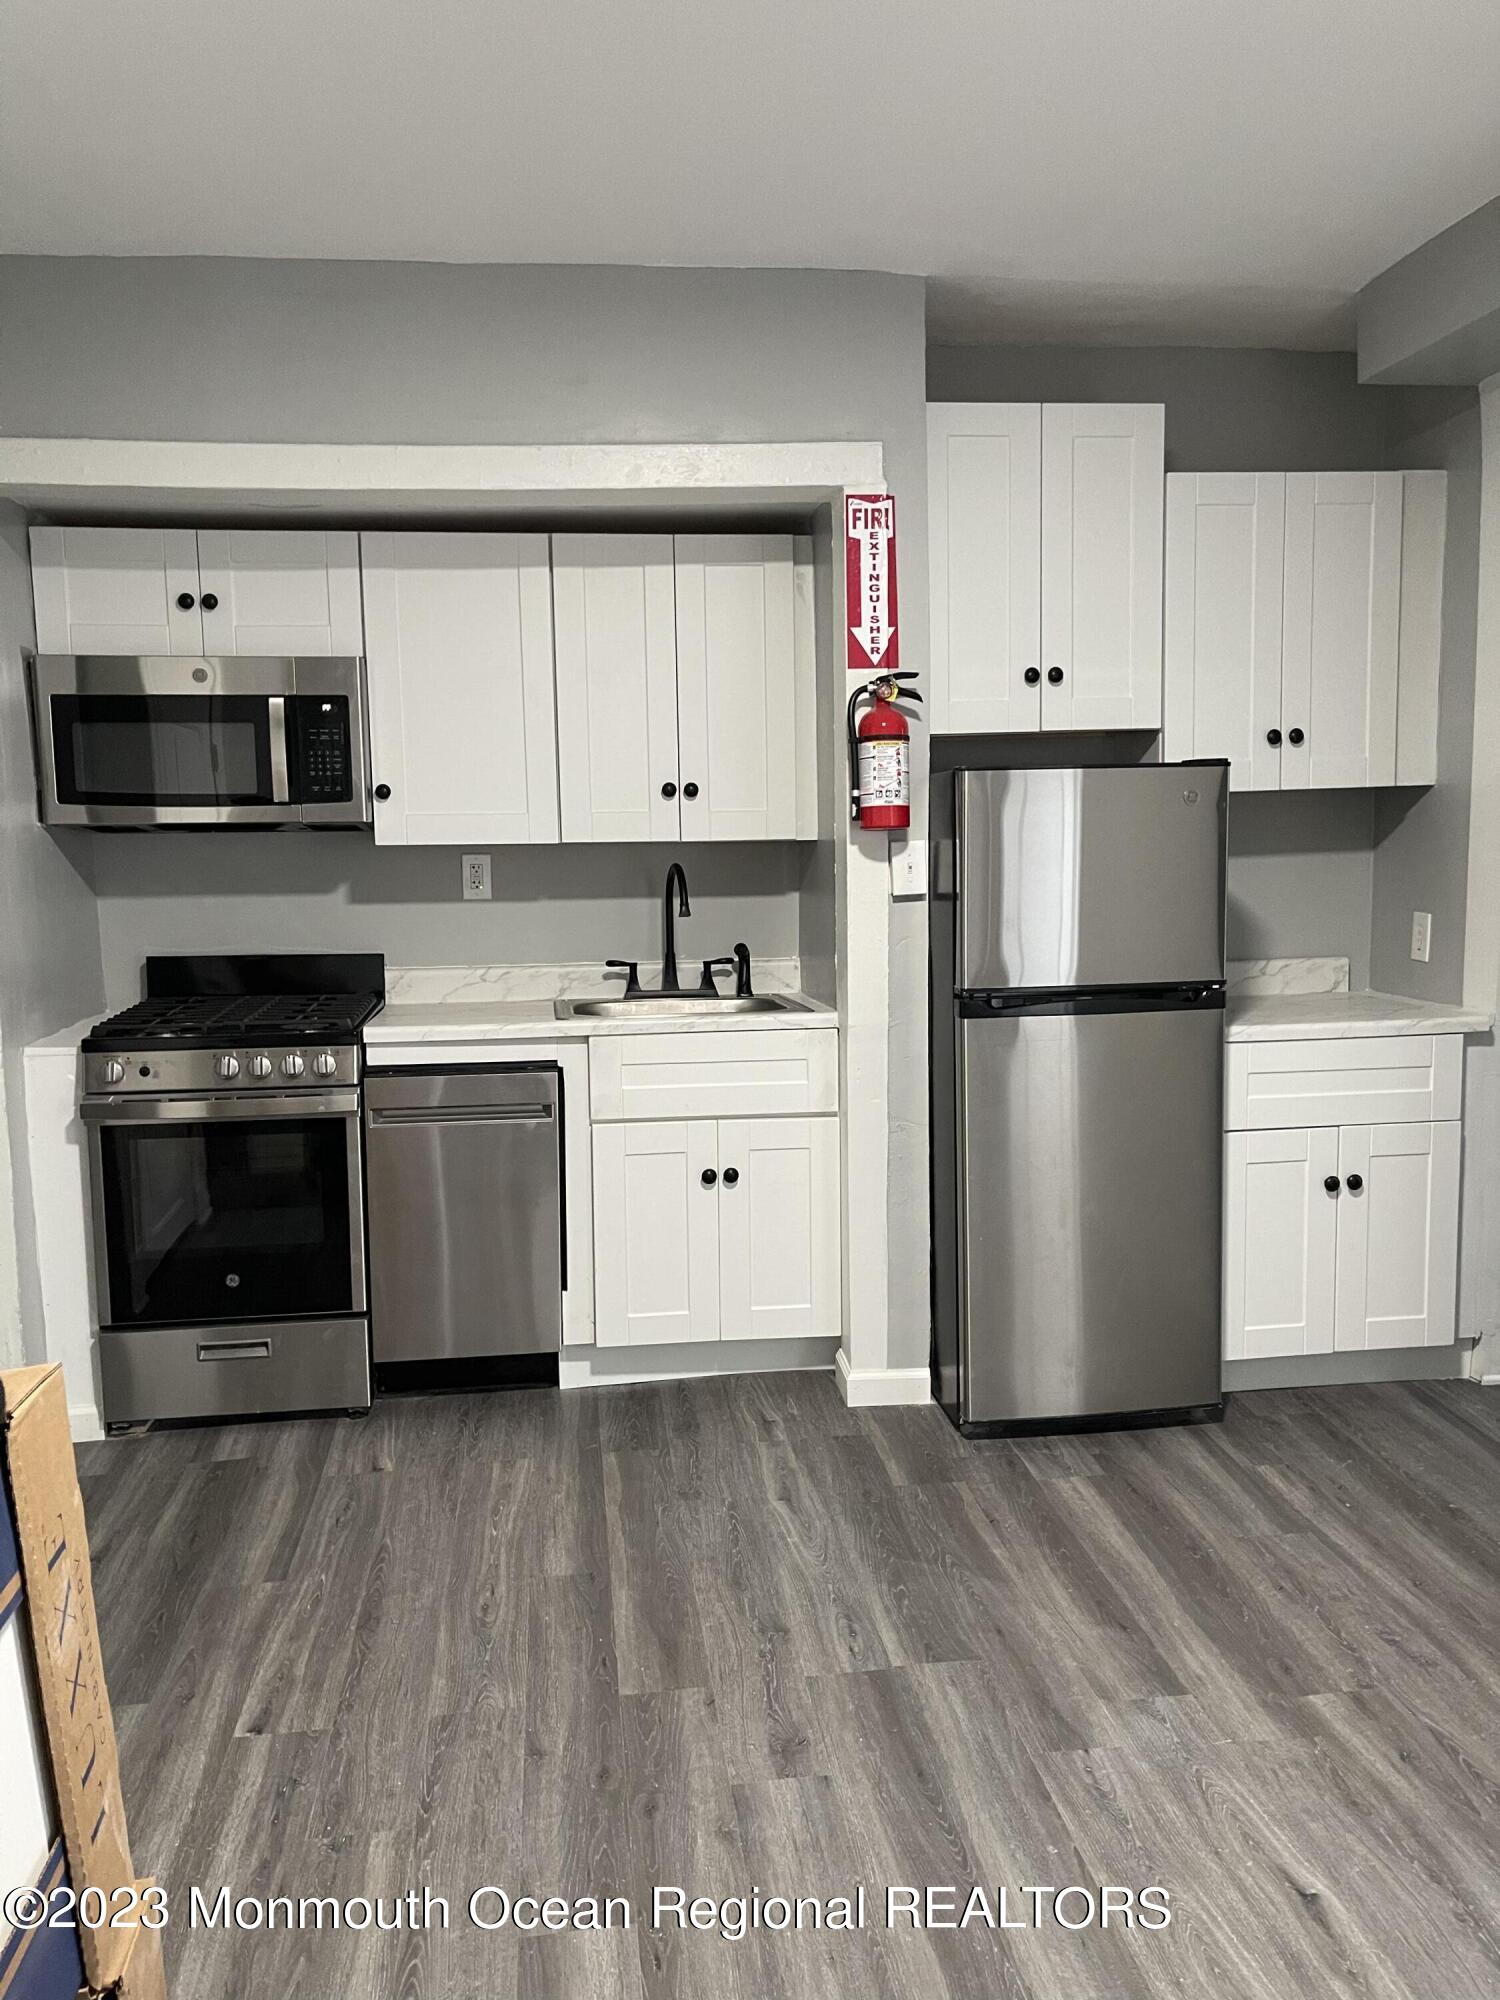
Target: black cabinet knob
[
  {"x": 382, "y": 792},
  {"x": 731, "y": 1177},
  {"x": 709, "y": 1177},
  {"x": 209, "y": 601},
  {"x": 1354, "y": 1182},
  {"x": 690, "y": 791},
  {"x": 1294, "y": 736},
  {"x": 184, "y": 600},
  {"x": 1273, "y": 737},
  {"x": 1331, "y": 1182},
  {"x": 1031, "y": 676},
  {"x": 1054, "y": 676},
  {"x": 669, "y": 790}
]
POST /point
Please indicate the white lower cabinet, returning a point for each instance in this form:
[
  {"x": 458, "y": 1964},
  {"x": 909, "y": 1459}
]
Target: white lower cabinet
[
  {"x": 1340, "y": 1237},
  {"x": 715, "y": 1229},
  {"x": 656, "y": 1233}
]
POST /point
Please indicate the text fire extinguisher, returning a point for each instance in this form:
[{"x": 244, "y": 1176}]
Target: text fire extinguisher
[{"x": 879, "y": 753}]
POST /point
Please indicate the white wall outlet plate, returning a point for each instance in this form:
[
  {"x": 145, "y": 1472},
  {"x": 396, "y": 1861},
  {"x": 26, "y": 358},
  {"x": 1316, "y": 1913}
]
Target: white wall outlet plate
[
  {"x": 1421, "y": 935},
  {"x": 908, "y": 868},
  {"x": 477, "y": 878}
]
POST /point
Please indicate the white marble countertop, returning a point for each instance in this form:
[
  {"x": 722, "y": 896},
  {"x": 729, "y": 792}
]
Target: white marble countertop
[
  {"x": 1295, "y": 1017},
  {"x": 535, "y": 1021}
]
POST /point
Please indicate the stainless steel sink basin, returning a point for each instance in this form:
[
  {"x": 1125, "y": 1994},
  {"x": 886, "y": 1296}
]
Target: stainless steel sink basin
[{"x": 642, "y": 1006}]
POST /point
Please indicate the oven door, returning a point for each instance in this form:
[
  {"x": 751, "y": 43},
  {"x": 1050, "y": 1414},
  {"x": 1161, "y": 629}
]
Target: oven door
[{"x": 220, "y": 1210}]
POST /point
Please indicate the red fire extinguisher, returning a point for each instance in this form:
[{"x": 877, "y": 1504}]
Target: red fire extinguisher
[{"x": 879, "y": 757}]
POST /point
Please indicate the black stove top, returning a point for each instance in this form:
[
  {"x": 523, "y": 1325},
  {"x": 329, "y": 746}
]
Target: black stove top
[
  {"x": 216, "y": 1021},
  {"x": 276, "y": 999}
]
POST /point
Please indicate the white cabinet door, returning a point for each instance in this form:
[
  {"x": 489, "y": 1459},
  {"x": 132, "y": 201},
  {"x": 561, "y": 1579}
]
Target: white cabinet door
[
  {"x": 459, "y": 658},
  {"x": 616, "y": 687},
  {"x": 1102, "y": 477},
  {"x": 778, "y": 1227},
  {"x": 1341, "y": 628},
  {"x": 984, "y": 524},
  {"x": 116, "y": 590},
  {"x": 1223, "y": 622},
  {"x": 1280, "y": 1237},
  {"x": 736, "y": 687},
  {"x": 1397, "y": 1235},
  {"x": 280, "y": 593},
  {"x": 656, "y": 1233}
]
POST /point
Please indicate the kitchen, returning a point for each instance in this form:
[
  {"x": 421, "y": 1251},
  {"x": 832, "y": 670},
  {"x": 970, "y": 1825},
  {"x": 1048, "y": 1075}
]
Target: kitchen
[{"x": 697, "y": 1569}]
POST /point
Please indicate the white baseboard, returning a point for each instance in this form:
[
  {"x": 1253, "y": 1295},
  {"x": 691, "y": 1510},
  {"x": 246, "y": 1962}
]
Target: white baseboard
[
  {"x": 85, "y": 1422},
  {"x": 877, "y": 1388},
  {"x": 595, "y": 1367}
]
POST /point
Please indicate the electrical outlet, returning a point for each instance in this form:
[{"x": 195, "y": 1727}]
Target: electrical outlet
[
  {"x": 1421, "y": 935},
  {"x": 476, "y": 878}
]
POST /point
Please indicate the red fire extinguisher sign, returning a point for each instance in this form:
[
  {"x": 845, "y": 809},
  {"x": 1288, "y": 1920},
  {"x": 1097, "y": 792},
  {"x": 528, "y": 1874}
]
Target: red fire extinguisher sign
[{"x": 870, "y": 582}]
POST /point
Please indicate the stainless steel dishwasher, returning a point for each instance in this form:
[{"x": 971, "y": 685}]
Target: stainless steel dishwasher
[{"x": 464, "y": 1177}]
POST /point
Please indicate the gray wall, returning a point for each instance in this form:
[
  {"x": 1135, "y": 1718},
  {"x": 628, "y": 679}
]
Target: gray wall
[
  {"x": 261, "y": 349},
  {"x": 258, "y": 348},
  {"x": 305, "y": 892},
  {"x": 1422, "y": 837},
  {"x": 1300, "y": 870},
  {"x": 1435, "y": 315},
  {"x": 49, "y": 942}
]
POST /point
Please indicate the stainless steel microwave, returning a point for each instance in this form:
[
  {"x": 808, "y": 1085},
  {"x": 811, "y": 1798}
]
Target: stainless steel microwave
[{"x": 163, "y": 740}]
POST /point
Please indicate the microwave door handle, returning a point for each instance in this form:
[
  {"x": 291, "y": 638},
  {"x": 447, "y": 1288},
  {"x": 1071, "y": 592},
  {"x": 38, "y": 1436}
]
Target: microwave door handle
[{"x": 276, "y": 720}]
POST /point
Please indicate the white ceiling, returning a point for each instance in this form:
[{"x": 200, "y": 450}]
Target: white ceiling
[{"x": 1222, "y": 170}]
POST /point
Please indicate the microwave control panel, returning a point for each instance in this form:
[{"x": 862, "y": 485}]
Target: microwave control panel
[{"x": 324, "y": 765}]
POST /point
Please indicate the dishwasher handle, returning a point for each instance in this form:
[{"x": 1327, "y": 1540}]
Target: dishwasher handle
[{"x": 463, "y": 1114}]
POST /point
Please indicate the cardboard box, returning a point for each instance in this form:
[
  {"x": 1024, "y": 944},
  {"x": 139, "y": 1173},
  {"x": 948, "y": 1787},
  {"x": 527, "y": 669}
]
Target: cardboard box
[{"x": 48, "y": 1508}]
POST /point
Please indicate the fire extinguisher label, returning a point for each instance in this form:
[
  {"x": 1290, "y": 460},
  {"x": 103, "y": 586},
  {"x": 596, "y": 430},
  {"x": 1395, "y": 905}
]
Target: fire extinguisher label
[{"x": 883, "y": 773}]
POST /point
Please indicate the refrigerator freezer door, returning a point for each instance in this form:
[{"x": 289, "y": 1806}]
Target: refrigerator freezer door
[
  {"x": 1089, "y": 1178},
  {"x": 1104, "y": 877}
]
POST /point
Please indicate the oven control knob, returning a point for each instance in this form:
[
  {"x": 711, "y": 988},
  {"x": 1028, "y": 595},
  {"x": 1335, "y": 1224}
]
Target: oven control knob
[
  {"x": 326, "y": 1064},
  {"x": 114, "y": 1071},
  {"x": 260, "y": 1065},
  {"x": 227, "y": 1066},
  {"x": 292, "y": 1065}
]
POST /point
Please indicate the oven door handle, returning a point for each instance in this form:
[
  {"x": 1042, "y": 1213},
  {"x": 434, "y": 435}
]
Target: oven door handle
[{"x": 207, "y": 1110}]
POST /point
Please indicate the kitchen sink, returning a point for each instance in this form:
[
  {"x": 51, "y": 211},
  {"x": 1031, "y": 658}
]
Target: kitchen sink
[{"x": 644, "y": 1005}]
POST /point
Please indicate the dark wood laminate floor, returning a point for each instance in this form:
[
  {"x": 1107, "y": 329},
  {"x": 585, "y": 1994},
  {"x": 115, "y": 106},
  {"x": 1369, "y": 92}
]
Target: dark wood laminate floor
[{"x": 729, "y": 1633}]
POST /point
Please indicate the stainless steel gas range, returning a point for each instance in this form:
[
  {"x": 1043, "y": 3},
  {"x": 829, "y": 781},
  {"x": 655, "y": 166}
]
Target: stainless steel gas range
[{"x": 223, "y": 1114}]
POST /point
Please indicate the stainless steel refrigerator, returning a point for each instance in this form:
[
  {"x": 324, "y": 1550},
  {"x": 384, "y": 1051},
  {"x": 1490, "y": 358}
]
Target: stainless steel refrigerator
[{"x": 1077, "y": 1058}]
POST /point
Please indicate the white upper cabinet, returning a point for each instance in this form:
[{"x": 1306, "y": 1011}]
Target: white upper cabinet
[
  {"x": 1303, "y": 625},
  {"x": 736, "y": 687},
  {"x": 1225, "y": 538},
  {"x": 459, "y": 657},
  {"x": 209, "y": 590},
  {"x": 684, "y": 680},
  {"x": 1045, "y": 534},
  {"x": 1101, "y": 565},
  {"x": 264, "y": 591},
  {"x": 984, "y": 526},
  {"x": 116, "y": 590},
  {"x": 616, "y": 687},
  {"x": 1342, "y": 612}
]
